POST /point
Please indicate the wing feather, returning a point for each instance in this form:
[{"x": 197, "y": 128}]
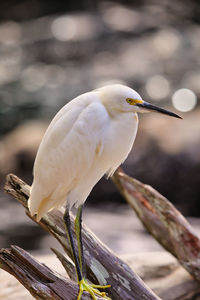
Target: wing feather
[{"x": 72, "y": 143}]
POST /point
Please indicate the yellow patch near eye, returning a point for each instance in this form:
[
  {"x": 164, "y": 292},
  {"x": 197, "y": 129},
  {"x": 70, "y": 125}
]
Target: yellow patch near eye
[{"x": 133, "y": 101}]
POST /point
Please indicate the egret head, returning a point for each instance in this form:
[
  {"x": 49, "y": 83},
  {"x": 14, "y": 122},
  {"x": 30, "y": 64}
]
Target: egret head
[{"x": 121, "y": 98}]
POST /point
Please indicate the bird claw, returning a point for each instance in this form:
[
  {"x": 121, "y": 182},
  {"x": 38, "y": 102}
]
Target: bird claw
[{"x": 92, "y": 289}]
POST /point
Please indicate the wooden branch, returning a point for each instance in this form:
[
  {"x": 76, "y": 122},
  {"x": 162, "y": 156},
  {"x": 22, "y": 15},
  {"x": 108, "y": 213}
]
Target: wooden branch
[
  {"x": 41, "y": 282},
  {"x": 159, "y": 270},
  {"x": 67, "y": 264},
  {"x": 163, "y": 221},
  {"x": 162, "y": 273},
  {"x": 103, "y": 267}
]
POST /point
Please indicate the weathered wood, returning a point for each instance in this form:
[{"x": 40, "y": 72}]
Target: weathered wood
[
  {"x": 163, "y": 221},
  {"x": 41, "y": 282},
  {"x": 159, "y": 270},
  {"x": 68, "y": 265},
  {"x": 164, "y": 275},
  {"x": 103, "y": 267}
]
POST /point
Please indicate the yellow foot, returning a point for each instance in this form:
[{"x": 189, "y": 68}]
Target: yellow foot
[{"x": 92, "y": 289}]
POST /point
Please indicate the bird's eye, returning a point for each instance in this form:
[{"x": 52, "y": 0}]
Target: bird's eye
[
  {"x": 132, "y": 101},
  {"x": 129, "y": 100}
]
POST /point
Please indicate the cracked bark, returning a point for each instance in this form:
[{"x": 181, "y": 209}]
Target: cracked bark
[{"x": 103, "y": 266}]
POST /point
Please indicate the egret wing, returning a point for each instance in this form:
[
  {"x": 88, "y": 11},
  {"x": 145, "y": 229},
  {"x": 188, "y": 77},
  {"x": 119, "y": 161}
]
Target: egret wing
[{"x": 67, "y": 151}]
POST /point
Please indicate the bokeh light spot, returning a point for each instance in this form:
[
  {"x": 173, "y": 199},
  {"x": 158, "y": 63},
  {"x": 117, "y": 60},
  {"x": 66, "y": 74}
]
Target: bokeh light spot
[
  {"x": 76, "y": 27},
  {"x": 157, "y": 87},
  {"x": 120, "y": 18},
  {"x": 34, "y": 77},
  {"x": 184, "y": 100},
  {"x": 166, "y": 42}
]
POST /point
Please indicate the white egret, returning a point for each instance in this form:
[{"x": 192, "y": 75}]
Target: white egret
[{"x": 89, "y": 137}]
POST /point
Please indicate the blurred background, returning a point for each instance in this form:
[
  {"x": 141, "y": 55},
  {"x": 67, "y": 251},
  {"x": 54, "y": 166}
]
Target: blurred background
[{"x": 52, "y": 51}]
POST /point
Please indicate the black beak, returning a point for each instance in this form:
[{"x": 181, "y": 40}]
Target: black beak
[{"x": 149, "y": 107}]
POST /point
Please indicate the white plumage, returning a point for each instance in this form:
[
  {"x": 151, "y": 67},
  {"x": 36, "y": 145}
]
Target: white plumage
[{"x": 89, "y": 137}]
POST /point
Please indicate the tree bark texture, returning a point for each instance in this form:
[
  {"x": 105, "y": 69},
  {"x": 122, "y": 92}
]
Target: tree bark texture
[
  {"x": 162, "y": 220},
  {"x": 103, "y": 266},
  {"x": 160, "y": 270},
  {"x": 41, "y": 282}
]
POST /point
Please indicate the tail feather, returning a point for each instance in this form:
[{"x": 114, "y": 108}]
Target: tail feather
[
  {"x": 44, "y": 207},
  {"x": 39, "y": 206}
]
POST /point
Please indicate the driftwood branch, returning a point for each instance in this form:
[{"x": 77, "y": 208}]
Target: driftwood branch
[
  {"x": 159, "y": 270},
  {"x": 162, "y": 273},
  {"x": 163, "y": 221},
  {"x": 67, "y": 264},
  {"x": 102, "y": 265},
  {"x": 41, "y": 282}
]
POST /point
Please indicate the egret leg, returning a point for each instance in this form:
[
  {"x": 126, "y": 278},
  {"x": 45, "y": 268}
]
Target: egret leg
[
  {"x": 83, "y": 285},
  {"x": 71, "y": 241},
  {"x": 78, "y": 231},
  {"x": 78, "y": 260}
]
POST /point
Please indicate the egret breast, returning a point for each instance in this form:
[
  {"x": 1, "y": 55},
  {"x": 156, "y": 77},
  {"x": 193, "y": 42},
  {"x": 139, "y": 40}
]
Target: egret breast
[{"x": 119, "y": 140}]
